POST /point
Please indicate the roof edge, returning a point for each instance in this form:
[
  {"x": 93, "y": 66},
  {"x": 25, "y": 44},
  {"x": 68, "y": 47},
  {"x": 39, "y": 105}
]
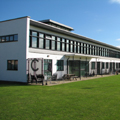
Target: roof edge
[
  {"x": 52, "y": 21},
  {"x": 15, "y": 19}
]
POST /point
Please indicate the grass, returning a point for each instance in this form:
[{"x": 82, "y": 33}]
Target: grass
[{"x": 97, "y": 99}]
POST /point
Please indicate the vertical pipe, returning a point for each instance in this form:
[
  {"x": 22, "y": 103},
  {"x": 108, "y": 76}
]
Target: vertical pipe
[
  {"x": 86, "y": 67},
  {"x": 80, "y": 68},
  {"x": 96, "y": 66}
]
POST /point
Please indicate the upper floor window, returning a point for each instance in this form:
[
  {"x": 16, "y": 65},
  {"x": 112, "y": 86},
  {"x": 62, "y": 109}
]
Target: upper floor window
[
  {"x": 93, "y": 65},
  {"x": 51, "y": 42},
  {"x": 8, "y": 38}
]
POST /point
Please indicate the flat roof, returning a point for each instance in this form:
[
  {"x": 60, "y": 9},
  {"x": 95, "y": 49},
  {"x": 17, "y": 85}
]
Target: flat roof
[
  {"x": 55, "y": 29},
  {"x": 57, "y": 23}
]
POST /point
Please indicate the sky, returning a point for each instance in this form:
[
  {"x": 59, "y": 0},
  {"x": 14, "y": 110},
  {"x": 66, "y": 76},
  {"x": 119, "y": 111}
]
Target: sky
[{"x": 96, "y": 19}]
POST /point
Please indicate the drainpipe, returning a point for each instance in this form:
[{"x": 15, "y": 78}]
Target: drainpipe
[
  {"x": 80, "y": 68},
  {"x": 67, "y": 64}
]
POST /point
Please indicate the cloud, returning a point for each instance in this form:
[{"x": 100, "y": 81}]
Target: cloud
[
  {"x": 118, "y": 39},
  {"x": 115, "y": 1}
]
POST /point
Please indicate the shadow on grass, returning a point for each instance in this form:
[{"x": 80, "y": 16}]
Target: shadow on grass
[{"x": 7, "y": 83}]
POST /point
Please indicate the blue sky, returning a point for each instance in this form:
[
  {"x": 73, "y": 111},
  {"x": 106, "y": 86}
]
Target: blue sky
[{"x": 96, "y": 19}]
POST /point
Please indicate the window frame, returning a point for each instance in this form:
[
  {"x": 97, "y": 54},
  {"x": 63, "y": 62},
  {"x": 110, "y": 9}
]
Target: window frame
[
  {"x": 10, "y": 67},
  {"x": 60, "y": 65}
]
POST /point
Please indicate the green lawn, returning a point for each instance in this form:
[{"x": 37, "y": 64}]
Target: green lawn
[{"x": 97, "y": 99}]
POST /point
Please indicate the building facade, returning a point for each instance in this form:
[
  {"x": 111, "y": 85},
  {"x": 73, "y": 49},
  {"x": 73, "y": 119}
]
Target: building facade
[{"x": 48, "y": 47}]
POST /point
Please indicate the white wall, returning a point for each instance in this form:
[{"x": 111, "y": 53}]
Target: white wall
[
  {"x": 14, "y": 50},
  {"x": 54, "y": 62}
]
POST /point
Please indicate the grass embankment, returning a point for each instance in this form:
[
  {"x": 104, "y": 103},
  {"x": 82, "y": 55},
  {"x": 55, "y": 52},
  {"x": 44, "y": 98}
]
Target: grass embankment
[{"x": 97, "y": 99}]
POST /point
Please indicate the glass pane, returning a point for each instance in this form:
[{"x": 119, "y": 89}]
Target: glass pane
[
  {"x": 53, "y": 45},
  {"x": 12, "y": 62},
  {"x": 16, "y": 65},
  {"x": 3, "y": 39},
  {"x": 34, "y": 33},
  {"x": 63, "y": 44},
  {"x": 48, "y": 36},
  {"x": 41, "y": 35},
  {"x": 58, "y": 45},
  {"x": 9, "y": 65},
  {"x": 78, "y": 47},
  {"x": 41, "y": 43},
  {"x": 7, "y": 38},
  {"x": 53, "y": 37},
  {"x": 47, "y": 44},
  {"x": 71, "y": 46},
  {"x": 67, "y": 46},
  {"x": 0, "y": 39},
  {"x": 11, "y": 38},
  {"x": 81, "y": 47},
  {"x": 15, "y": 37},
  {"x": 34, "y": 42}
]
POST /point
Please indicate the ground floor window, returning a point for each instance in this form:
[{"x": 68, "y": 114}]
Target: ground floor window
[
  {"x": 107, "y": 65},
  {"x": 60, "y": 65},
  {"x": 12, "y": 64},
  {"x": 103, "y": 65},
  {"x": 93, "y": 65},
  {"x": 47, "y": 67}
]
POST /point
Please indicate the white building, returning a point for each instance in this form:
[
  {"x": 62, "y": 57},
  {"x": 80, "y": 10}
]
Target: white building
[{"x": 48, "y": 47}]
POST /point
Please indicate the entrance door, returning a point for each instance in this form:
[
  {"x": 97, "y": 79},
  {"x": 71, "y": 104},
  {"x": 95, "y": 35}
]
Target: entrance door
[
  {"x": 98, "y": 68},
  {"x": 48, "y": 67},
  {"x": 79, "y": 68},
  {"x": 74, "y": 67}
]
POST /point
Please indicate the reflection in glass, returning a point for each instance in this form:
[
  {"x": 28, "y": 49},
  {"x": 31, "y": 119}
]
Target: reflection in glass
[
  {"x": 7, "y": 38},
  {"x": 63, "y": 44},
  {"x": 41, "y": 35},
  {"x": 34, "y": 42},
  {"x": 34, "y": 33},
  {"x": 81, "y": 48},
  {"x": 47, "y": 44},
  {"x": 58, "y": 43},
  {"x": 15, "y": 37},
  {"x": 67, "y": 45},
  {"x": 3, "y": 39},
  {"x": 11, "y": 38},
  {"x": 78, "y": 47},
  {"x": 71, "y": 46},
  {"x": 41, "y": 43}
]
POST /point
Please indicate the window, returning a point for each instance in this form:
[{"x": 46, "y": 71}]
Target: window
[
  {"x": 103, "y": 65},
  {"x": 93, "y": 65},
  {"x": 12, "y": 65},
  {"x": 74, "y": 47},
  {"x": 53, "y": 42},
  {"x": 106, "y": 65},
  {"x": 60, "y": 65},
  {"x": 71, "y": 46},
  {"x": 63, "y": 44},
  {"x": 3, "y": 39},
  {"x": 34, "y": 42},
  {"x": 9, "y": 38},
  {"x": 78, "y": 48},
  {"x": 41, "y": 40},
  {"x": 15, "y": 37},
  {"x": 67, "y": 45},
  {"x": 47, "y": 43},
  {"x": 58, "y": 43},
  {"x": 81, "y": 47}
]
